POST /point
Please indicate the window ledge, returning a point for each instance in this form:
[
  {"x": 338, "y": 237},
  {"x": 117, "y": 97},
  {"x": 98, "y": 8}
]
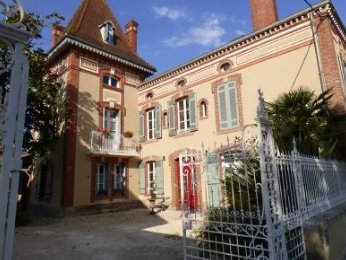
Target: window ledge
[
  {"x": 230, "y": 130},
  {"x": 186, "y": 133},
  {"x": 112, "y": 88},
  {"x": 151, "y": 141}
]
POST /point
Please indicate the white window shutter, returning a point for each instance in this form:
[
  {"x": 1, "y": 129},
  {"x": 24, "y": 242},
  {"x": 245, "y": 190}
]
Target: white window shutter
[
  {"x": 158, "y": 131},
  {"x": 141, "y": 126},
  {"x": 192, "y": 107},
  {"x": 233, "y": 107},
  {"x": 141, "y": 178},
  {"x": 159, "y": 178},
  {"x": 171, "y": 118},
  {"x": 224, "y": 123}
]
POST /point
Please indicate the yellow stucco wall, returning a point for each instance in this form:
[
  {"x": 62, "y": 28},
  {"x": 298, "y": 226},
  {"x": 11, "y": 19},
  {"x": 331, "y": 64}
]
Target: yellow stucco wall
[
  {"x": 274, "y": 76},
  {"x": 87, "y": 121}
]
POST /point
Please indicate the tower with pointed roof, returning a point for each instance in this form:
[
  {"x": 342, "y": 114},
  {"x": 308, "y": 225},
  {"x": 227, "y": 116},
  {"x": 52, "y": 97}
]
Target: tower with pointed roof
[{"x": 99, "y": 64}]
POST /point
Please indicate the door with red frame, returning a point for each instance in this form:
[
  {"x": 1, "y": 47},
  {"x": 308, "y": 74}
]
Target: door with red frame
[{"x": 187, "y": 176}]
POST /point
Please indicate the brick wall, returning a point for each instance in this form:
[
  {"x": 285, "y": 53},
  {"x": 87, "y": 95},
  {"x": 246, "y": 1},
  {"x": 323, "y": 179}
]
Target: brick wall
[{"x": 263, "y": 13}]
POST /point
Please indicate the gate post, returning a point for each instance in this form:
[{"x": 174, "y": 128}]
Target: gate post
[
  {"x": 270, "y": 185},
  {"x": 12, "y": 114}
]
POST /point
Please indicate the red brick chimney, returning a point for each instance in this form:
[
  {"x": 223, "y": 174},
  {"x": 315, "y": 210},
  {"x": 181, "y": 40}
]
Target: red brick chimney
[
  {"x": 57, "y": 33},
  {"x": 263, "y": 13},
  {"x": 131, "y": 34}
]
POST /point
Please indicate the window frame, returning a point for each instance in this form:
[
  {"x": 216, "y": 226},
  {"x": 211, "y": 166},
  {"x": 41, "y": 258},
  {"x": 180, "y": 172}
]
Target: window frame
[
  {"x": 109, "y": 81},
  {"x": 237, "y": 79},
  {"x": 109, "y": 180},
  {"x": 150, "y": 176},
  {"x": 150, "y": 123},
  {"x": 185, "y": 109}
]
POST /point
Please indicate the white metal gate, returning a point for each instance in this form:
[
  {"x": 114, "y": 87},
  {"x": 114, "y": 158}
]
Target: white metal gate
[
  {"x": 13, "y": 93},
  {"x": 258, "y": 198}
]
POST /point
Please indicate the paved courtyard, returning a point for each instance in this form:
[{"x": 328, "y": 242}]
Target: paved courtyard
[{"x": 132, "y": 234}]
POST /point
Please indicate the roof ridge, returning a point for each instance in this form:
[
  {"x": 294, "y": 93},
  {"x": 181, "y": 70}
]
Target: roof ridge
[{"x": 83, "y": 14}]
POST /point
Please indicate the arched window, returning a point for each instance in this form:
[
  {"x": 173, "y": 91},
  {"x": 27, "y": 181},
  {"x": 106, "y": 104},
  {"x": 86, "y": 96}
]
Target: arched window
[
  {"x": 149, "y": 96},
  {"x": 204, "y": 109},
  {"x": 225, "y": 66},
  {"x": 181, "y": 83},
  {"x": 165, "y": 119}
]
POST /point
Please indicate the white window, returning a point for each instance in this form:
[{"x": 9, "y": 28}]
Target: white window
[
  {"x": 183, "y": 114},
  {"x": 110, "y": 81},
  {"x": 107, "y": 32},
  {"x": 111, "y": 121},
  {"x": 119, "y": 179},
  {"x": 151, "y": 176},
  {"x": 151, "y": 124},
  {"x": 101, "y": 180}
]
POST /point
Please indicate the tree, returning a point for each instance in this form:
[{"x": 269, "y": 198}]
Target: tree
[
  {"x": 46, "y": 105},
  {"x": 308, "y": 118}
]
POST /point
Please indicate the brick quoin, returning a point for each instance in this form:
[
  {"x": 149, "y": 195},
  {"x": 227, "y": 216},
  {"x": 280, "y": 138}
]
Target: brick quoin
[
  {"x": 71, "y": 131},
  {"x": 263, "y": 13},
  {"x": 329, "y": 63}
]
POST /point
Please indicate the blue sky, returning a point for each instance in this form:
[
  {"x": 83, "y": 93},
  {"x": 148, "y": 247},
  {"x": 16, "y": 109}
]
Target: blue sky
[{"x": 173, "y": 32}]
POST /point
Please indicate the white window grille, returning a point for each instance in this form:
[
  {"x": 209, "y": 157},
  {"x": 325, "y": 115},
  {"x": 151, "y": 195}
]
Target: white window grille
[
  {"x": 119, "y": 179},
  {"x": 151, "y": 176},
  {"x": 111, "y": 121},
  {"x": 183, "y": 114},
  {"x": 151, "y": 124},
  {"x": 101, "y": 179},
  {"x": 110, "y": 81}
]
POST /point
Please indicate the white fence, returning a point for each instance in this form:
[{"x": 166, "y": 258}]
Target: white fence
[
  {"x": 258, "y": 198},
  {"x": 116, "y": 145},
  {"x": 14, "y": 76}
]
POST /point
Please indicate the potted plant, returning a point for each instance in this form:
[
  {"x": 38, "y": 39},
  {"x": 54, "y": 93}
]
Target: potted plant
[{"x": 128, "y": 134}]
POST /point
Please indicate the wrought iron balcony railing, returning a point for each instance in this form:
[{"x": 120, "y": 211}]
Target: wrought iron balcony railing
[{"x": 116, "y": 145}]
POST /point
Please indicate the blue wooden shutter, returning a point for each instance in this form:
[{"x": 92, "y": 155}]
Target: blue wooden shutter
[
  {"x": 214, "y": 184},
  {"x": 141, "y": 126},
  {"x": 171, "y": 118},
  {"x": 141, "y": 178},
  {"x": 159, "y": 177},
  {"x": 224, "y": 124},
  {"x": 233, "y": 108},
  {"x": 192, "y": 108},
  {"x": 158, "y": 131}
]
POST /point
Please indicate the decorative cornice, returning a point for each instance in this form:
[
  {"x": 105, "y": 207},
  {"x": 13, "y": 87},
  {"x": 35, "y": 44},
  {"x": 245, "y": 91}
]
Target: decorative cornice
[
  {"x": 244, "y": 41},
  {"x": 69, "y": 40}
]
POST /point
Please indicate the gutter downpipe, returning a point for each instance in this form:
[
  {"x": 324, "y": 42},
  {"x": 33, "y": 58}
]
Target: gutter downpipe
[{"x": 318, "y": 51}]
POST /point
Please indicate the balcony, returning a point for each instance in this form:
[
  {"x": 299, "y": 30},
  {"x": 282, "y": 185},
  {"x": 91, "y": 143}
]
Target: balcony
[{"x": 117, "y": 146}]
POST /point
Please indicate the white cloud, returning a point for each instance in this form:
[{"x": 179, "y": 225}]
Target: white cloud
[
  {"x": 172, "y": 14},
  {"x": 209, "y": 33},
  {"x": 239, "y": 32}
]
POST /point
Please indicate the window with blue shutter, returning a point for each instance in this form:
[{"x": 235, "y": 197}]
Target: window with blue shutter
[
  {"x": 141, "y": 126},
  {"x": 158, "y": 131},
  {"x": 171, "y": 118},
  {"x": 159, "y": 177},
  {"x": 142, "y": 178},
  {"x": 228, "y": 107},
  {"x": 192, "y": 112}
]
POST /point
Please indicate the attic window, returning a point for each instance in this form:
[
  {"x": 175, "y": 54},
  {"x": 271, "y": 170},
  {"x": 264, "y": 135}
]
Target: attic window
[
  {"x": 107, "y": 32},
  {"x": 181, "y": 83},
  {"x": 225, "y": 67}
]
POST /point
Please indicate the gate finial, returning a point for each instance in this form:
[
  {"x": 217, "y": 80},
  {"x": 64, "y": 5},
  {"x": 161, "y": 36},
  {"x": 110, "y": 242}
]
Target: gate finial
[{"x": 262, "y": 115}]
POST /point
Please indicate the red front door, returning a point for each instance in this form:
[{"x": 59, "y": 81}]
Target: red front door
[{"x": 187, "y": 174}]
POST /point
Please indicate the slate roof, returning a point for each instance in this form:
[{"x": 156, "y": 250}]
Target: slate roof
[{"x": 84, "y": 27}]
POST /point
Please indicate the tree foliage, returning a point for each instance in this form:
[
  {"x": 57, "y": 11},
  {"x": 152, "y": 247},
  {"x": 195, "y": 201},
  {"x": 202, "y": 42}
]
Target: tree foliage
[
  {"x": 46, "y": 106},
  {"x": 305, "y": 116}
]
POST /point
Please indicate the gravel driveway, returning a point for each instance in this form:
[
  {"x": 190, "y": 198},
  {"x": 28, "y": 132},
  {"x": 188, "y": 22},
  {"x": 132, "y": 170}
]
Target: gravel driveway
[{"x": 132, "y": 234}]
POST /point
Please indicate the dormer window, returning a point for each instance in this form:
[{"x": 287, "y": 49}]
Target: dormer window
[{"x": 107, "y": 32}]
